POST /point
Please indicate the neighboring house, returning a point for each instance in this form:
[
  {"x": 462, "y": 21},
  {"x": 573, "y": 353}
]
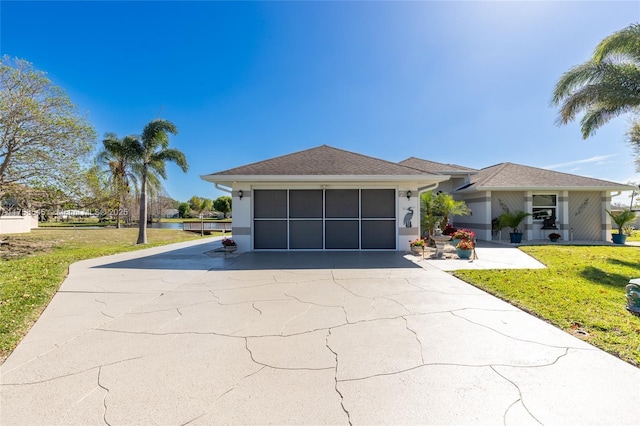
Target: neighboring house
[{"x": 326, "y": 198}]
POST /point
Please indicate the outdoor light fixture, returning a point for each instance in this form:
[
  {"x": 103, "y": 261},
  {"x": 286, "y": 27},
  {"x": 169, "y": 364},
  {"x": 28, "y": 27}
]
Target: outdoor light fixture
[
  {"x": 240, "y": 194},
  {"x": 408, "y": 195}
]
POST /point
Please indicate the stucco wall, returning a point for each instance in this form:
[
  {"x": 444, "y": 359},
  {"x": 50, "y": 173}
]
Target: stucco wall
[
  {"x": 17, "y": 224},
  {"x": 479, "y": 221}
]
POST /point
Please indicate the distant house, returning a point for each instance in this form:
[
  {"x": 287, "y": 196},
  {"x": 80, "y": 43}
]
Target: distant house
[{"x": 326, "y": 198}]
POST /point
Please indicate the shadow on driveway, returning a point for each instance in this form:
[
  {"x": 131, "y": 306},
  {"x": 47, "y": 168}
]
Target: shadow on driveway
[{"x": 195, "y": 258}]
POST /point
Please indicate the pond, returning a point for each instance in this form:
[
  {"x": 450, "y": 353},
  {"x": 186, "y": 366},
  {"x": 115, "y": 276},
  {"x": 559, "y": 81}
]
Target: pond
[{"x": 165, "y": 225}]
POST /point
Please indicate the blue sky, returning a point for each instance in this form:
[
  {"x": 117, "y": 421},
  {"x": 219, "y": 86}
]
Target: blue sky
[{"x": 456, "y": 82}]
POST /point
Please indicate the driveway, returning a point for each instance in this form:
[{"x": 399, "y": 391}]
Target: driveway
[{"x": 174, "y": 336}]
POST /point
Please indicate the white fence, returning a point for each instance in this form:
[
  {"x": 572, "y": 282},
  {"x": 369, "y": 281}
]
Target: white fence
[{"x": 17, "y": 224}]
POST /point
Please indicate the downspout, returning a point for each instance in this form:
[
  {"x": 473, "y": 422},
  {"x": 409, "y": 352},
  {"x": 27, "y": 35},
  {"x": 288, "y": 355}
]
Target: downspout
[{"x": 223, "y": 189}]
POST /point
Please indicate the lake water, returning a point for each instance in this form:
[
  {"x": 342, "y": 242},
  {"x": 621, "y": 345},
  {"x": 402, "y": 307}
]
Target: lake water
[{"x": 165, "y": 225}]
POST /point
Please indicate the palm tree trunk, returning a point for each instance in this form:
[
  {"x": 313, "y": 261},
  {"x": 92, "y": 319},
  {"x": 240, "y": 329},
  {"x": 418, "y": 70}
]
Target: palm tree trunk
[{"x": 142, "y": 221}]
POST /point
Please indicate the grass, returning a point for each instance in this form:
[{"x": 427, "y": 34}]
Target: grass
[
  {"x": 583, "y": 289},
  {"x": 635, "y": 236},
  {"x": 29, "y": 281}
]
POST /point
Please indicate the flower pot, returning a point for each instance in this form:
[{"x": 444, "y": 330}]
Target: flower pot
[
  {"x": 230, "y": 249},
  {"x": 554, "y": 240},
  {"x": 516, "y": 237},
  {"x": 417, "y": 249},
  {"x": 618, "y": 238},
  {"x": 464, "y": 254}
]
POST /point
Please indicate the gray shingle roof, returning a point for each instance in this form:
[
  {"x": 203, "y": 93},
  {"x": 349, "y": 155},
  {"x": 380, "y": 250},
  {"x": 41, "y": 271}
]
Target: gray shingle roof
[
  {"x": 323, "y": 161},
  {"x": 434, "y": 167},
  {"x": 517, "y": 176}
]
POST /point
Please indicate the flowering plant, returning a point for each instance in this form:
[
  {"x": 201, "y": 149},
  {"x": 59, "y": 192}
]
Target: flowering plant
[
  {"x": 417, "y": 243},
  {"x": 463, "y": 234},
  {"x": 228, "y": 242},
  {"x": 465, "y": 245}
]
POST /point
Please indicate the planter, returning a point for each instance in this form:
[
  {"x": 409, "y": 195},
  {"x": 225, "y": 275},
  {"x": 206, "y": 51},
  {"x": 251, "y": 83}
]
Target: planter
[
  {"x": 516, "y": 237},
  {"x": 618, "y": 238},
  {"x": 230, "y": 249},
  {"x": 554, "y": 240},
  {"x": 464, "y": 254},
  {"x": 417, "y": 249}
]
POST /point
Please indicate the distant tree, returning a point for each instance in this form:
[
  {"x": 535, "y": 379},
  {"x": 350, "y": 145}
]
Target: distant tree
[
  {"x": 196, "y": 203},
  {"x": 207, "y": 204},
  {"x": 43, "y": 139},
  {"x": 151, "y": 153},
  {"x": 222, "y": 204},
  {"x": 184, "y": 210},
  {"x": 605, "y": 86}
]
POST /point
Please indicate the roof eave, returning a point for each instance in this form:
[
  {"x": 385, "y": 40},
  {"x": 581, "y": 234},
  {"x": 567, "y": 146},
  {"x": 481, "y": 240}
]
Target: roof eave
[
  {"x": 549, "y": 188},
  {"x": 227, "y": 179}
]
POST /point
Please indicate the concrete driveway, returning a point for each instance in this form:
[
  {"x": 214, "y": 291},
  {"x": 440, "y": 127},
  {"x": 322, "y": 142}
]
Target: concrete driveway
[{"x": 174, "y": 336}]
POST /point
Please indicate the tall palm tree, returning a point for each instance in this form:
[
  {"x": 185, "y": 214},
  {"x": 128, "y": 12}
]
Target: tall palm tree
[
  {"x": 151, "y": 153},
  {"x": 605, "y": 86},
  {"x": 117, "y": 156}
]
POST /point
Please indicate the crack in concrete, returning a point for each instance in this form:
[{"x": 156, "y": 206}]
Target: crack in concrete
[
  {"x": 71, "y": 374},
  {"x": 406, "y": 322},
  {"x": 508, "y": 336},
  {"x": 449, "y": 364},
  {"x": 102, "y": 310},
  {"x": 240, "y": 381},
  {"x": 245, "y": 301},
  {"x": 104, "y": 400},
  {"x": 246, "y": 346},
  {"x": 520, "y": 393},
  {"x": 253, "y": 304},
  {"x": 85, "y": 396},
  {"x": 335, "y": 377},
  {"x": 293, "y": 318}
]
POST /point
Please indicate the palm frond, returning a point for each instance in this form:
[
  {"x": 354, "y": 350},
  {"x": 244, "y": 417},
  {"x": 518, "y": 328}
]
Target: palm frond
[
  {"x": 155, "y": 135},
  {"x": 624, "y": 43}
]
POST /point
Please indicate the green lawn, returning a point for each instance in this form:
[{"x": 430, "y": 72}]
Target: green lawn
[
  {"x": 635, "y": 236},
  {"x": 583, "y": 289},
  {"x": 35, "y": 264}
]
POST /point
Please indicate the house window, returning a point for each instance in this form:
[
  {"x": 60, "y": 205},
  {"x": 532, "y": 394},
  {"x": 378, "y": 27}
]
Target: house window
[{"x": 545, "y": 207}]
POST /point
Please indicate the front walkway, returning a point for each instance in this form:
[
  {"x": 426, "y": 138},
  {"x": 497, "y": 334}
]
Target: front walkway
[{"x": 173, "y": 336}]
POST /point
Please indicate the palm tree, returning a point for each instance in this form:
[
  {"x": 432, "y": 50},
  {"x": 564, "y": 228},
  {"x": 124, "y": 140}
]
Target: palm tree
[
  {"x": 151, "y": 153},
  {"x": 605, "y": 86},
  {"x": 117, "y": 156},
  {"x": 449, "y": 207}
]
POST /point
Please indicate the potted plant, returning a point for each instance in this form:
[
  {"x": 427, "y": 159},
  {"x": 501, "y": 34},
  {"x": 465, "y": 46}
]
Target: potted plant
[
  {"x": 229, "y": 245},
  {"x": 464, "y": 249},
  {"x": 463, "y": 234},
  {"x": 554, "y": 237},
  {"x": 621, "y": 219},
  {"x": 513, "y": 220},
  {"x": 417, "y": 245}
]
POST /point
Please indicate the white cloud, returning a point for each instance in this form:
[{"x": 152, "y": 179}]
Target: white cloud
[{"x": 595, "y": 159}]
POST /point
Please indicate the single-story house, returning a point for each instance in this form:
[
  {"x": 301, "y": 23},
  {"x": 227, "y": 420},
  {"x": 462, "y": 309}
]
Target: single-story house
[{"x": 326, "y": 198}]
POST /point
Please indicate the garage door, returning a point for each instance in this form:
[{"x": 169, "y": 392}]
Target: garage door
[{"x": 332, "y": 219}]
